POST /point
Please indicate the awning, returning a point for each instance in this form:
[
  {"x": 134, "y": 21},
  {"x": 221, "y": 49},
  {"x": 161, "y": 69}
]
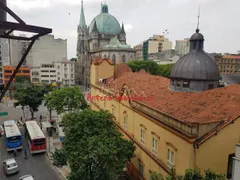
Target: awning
[{"x": 46, "y": 124}]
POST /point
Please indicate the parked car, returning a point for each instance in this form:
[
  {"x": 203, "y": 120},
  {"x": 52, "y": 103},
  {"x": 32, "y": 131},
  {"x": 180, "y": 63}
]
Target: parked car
[
  {"x": 10, "y": 166},
  {"x": 26, "y": 177},
  {"x": 1, "y": 131}
]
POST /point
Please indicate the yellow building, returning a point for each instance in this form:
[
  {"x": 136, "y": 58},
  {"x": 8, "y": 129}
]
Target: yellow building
[
  {"x": 228, "y": 64},
  {"x": 181, "y": 129}
]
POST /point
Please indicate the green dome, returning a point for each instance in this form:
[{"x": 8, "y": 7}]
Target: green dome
[{"x": 106, "y": 23}]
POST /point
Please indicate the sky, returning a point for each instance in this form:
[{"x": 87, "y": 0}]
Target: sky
[{"x": 219, "y": 19}]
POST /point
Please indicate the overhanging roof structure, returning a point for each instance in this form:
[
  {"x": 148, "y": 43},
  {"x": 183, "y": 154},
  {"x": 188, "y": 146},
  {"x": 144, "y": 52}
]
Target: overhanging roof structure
[{"x": 6, "y": 31}]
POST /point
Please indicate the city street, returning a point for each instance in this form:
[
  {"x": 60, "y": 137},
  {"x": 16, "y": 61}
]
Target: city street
[{"x": 37, "y": 165}]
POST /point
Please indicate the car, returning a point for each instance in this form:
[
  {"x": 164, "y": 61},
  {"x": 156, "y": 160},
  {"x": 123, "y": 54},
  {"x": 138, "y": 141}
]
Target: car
[
  {"x": 27, "y": 177},
  {"x": 1, "y": 131},
  {"x": 10, "y": 166}
]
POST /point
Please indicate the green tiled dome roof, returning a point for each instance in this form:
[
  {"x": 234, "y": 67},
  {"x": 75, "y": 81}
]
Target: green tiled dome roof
[{"x": 106, "y": 23}]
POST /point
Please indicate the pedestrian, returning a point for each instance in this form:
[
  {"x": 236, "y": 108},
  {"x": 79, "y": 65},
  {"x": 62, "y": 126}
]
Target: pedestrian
[
  {"x": 21, "y": 118},
  {"x": 25, "y": 133},
  {"x": 25, "y": 154},
  {"x": 15, "y": 152},
  {"x": 40, "y": 117}
]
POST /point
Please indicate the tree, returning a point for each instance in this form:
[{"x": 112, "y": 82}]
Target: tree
[
  {"x": 148, "y": 66},
  {"x": 31, "y": 96},
  {"x": 96, "y": 149},
  {"x": 20, "y": 79},
  {"x": 165, "y": 70},
  {"x": 157, "y": 176},
  {"x": 73, "y": 59},
  {"x": 70, "y": 98},
  {"x": 59, "y": 157}
]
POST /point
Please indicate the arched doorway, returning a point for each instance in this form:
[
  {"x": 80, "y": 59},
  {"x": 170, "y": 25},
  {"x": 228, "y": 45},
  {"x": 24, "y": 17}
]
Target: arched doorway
[
  {"x": 114, "y": 58},
  {"x": 123, "y": 58}
]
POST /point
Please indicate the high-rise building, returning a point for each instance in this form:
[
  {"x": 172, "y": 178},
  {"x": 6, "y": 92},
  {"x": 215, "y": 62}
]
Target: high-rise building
[
  {"x": 104, "y": 38},
  {"x": 4, "y": 57},
  {"x": 156, "y": 44},
  {"x": 182, "y": 46}
]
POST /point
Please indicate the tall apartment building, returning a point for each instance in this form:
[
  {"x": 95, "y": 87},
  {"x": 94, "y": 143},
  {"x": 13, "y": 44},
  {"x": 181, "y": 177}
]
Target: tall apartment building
[
  {"x": 61, "y": 71},
  {"x": 228, "y": 64},
  {"x": 4, "y": 56},
  {"x": 182, "y": 46},
  {"x": 65, "y": 72},
  {"x": 139, "y": 51},
  {"x": 156, "y": 44}
]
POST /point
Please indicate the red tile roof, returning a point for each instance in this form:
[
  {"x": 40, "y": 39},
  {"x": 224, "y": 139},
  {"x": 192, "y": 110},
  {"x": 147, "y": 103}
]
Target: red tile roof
[
  {"x": 221, "y": 104},
  {"x": 231, "y": 57}
]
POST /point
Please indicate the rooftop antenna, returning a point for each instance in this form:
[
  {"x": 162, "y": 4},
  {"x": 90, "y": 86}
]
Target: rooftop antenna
[{"x": 198, "y": 19}]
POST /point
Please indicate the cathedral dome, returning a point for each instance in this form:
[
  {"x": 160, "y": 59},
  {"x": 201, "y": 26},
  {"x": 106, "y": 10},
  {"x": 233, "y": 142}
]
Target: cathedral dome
[{"x": 106, "y": 23}]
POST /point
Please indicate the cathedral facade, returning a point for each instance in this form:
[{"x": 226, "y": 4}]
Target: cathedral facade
[{"x": 104, "y": 38}]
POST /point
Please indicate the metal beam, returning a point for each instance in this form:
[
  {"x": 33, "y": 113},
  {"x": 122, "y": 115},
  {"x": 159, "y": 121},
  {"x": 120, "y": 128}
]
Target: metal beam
[
  {"x": 4, "y": 7},
  {"x": 21, "y": 27},
  {"x": 18, "y": 66},
  {"x": 17, "y": 37}
]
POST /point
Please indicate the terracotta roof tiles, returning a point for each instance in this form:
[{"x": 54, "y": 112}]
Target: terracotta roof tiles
[{"x": 221, "y": 104}]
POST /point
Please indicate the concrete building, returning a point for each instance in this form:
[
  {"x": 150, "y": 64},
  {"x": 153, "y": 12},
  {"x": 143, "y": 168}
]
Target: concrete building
[
  {"x": 182, "y": 46},
  {"x": 62, "y": 71},
  {"x": 228, "y": 64},
  {"x": 47, "y": 50},
  {"x": 156, "y": 44},
  {"x": 65, "y": 70},
  {"x": 4, "y": 56},
  {"x": 169, "y": 129},
  {"x": 139, "y": 51},
  {"x": 104, "y": 38}
]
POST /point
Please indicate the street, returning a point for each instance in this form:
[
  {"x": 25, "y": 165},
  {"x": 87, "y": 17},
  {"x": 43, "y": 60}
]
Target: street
[{"x": 37, "y": 165}]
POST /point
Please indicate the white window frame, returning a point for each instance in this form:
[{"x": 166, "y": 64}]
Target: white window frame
[
  {"x": 125, "y": 122},
  {"x": 142, "y": 135},
  {"x": 141, "y": 174},
  {"x": 170, "y": 158},
  {"x": 155, "y": 146}
]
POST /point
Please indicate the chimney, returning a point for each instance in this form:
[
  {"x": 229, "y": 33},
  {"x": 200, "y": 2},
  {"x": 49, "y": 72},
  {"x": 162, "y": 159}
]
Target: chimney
[{"x": 3, "y": 14}]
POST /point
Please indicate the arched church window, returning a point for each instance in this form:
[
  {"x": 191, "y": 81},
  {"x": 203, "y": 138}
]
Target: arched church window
[
  {"x": 123, "y": 58},
  {"x": 114, "y": 58}
]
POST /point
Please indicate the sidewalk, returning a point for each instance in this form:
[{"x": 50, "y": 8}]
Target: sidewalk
[{"x": 54, "y": 143}]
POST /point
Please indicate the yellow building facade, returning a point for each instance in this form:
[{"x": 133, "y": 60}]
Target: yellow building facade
[{"x": 162, "y": 140}]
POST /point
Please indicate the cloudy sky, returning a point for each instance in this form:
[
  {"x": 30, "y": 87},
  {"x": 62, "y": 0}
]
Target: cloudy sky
[{"x": 219, "y": 21}]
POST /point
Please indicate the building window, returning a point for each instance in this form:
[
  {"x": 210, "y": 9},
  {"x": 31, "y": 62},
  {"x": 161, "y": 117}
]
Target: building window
[
  {"x": 170, "y": 159},
  {"x": 210, "y": 86},
  {"x": 178, "y": 83},
  {"x": 155, "y": 146},
  {"x": 105, "y": 56},
  {"x": 125, "y": 122},
  {"x": 186, "y": 84},
  {"x": 143, "y": 136},
  {"x": 140, "y": 169},
  {"x": 123, "y": 58}
]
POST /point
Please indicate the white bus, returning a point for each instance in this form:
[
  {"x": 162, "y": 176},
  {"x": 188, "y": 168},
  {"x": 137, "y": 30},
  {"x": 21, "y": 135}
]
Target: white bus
[
  {"x": 13, "y": 135},
  {"x": 36, "y": 138}
]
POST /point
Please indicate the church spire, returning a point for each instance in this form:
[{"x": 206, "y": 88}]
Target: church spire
[
  {"x": 82, "y": 22},
  {"x": 123, "y": 30}
]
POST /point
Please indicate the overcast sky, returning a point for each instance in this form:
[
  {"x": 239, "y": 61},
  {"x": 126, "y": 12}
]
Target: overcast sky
[{"x": 219, "y": 21}]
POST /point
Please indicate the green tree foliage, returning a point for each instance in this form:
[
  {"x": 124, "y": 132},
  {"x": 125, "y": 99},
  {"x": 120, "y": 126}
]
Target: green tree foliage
[
  {"x": 148, "y": 66},
  {"x": 59, "y": 157},
  {"x": 73, "y": 59},
  {"x": 21, "y": 79},
  {"x": 96, "y": 149},
  {"x": 70, "y": 98},
  {"x": 165, "y": 70},
  {"x": 29, "y": 95},
  {"x": 152, "y": 67},
  {"x": 190, "y": 174}
]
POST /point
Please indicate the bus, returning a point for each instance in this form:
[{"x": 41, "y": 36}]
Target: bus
[
  {"x": 13, "y": 135},
  {"x": 36, "y": 139}
]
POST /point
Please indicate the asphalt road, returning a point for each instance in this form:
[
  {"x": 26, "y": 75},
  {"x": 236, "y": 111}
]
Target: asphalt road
[{"x": 37, "y": 165}]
